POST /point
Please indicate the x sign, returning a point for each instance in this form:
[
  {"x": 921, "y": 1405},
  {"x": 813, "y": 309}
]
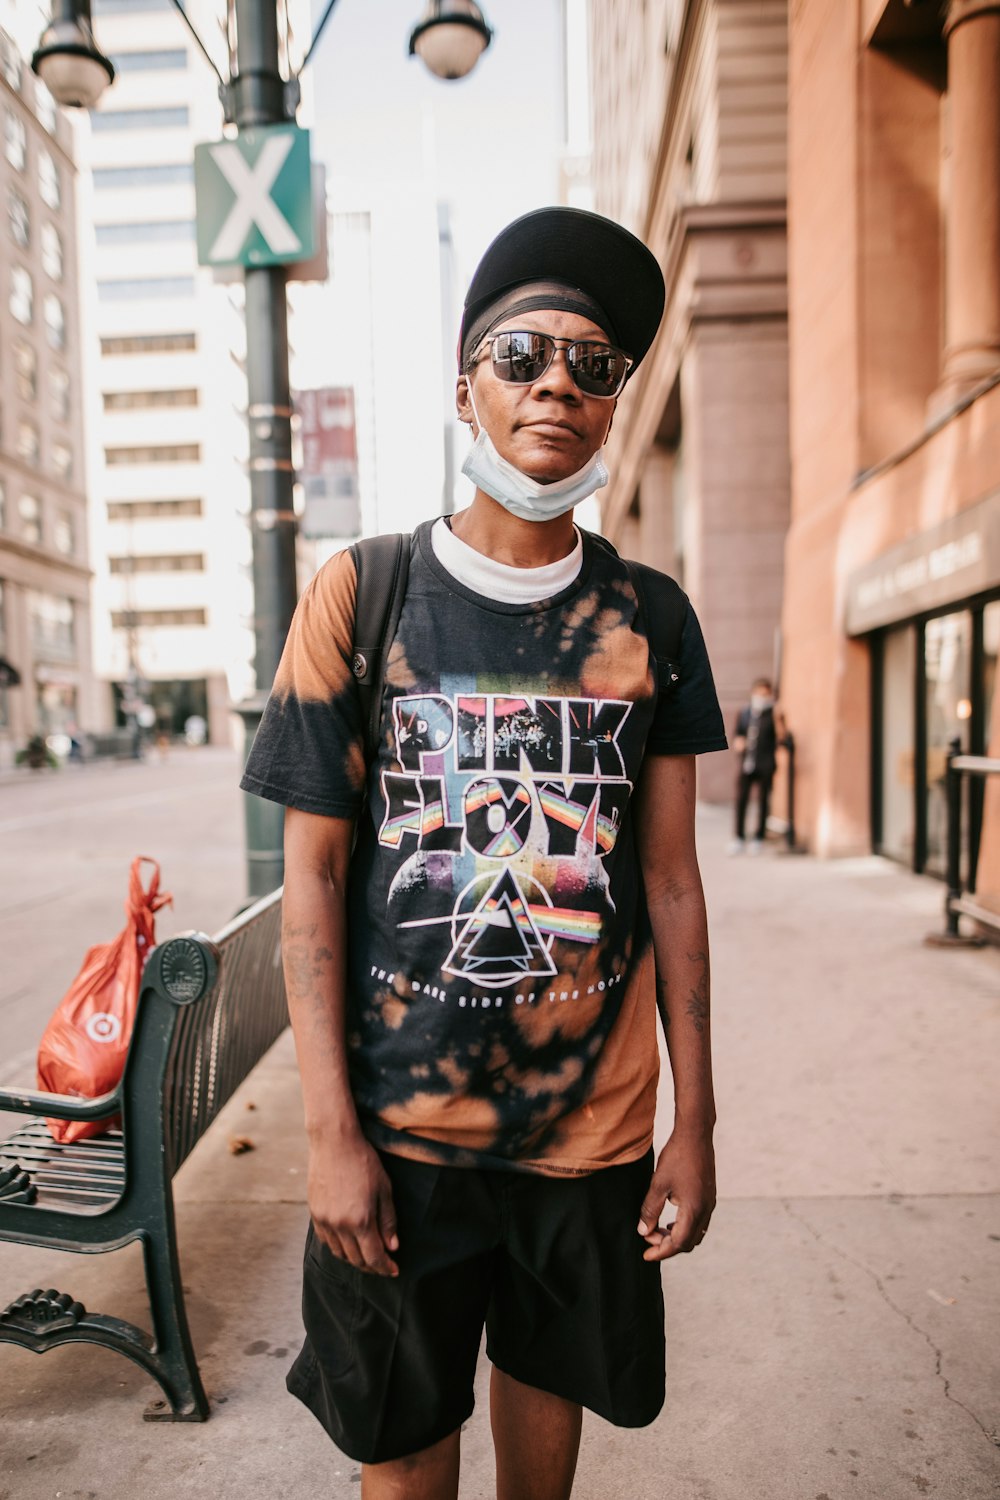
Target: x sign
[{"x": 254, "y": 200}]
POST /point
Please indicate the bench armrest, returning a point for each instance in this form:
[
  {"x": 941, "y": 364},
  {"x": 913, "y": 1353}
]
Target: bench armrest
[{"x": 60, "y": 1106}]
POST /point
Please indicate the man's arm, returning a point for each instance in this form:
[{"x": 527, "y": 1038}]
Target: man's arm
[
  {"x": 350, "y": 1198},
  {"x": 685, "y": 1169}
]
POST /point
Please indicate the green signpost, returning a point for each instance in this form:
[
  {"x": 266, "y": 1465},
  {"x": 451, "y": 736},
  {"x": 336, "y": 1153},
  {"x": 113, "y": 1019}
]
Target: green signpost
[{"x": 254, "y": 198}]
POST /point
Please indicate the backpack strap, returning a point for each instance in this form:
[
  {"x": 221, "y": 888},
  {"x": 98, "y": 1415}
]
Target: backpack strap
[
  {"x": 382, "y": 564},
  {"x": 663, "y": 605},
  {"x": 662, "y": 609}
]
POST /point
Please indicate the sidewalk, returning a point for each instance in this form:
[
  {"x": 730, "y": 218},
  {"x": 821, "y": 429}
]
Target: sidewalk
[{"x": 836, "y": 1337}]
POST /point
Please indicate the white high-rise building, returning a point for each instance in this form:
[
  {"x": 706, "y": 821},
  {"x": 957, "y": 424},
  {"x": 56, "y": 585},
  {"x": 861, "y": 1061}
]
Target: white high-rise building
[{"x": 167, "y": 387}]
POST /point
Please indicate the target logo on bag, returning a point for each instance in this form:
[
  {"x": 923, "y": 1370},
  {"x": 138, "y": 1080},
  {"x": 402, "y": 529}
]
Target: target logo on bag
[{"x": 102, "y": 1027}]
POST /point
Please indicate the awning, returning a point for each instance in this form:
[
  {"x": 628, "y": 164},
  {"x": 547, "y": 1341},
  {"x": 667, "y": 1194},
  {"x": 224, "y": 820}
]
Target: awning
[{"x": 9, "y": 676}]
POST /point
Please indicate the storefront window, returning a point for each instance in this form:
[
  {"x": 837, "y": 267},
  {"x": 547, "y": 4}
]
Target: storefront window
[
  {"x": 898, "y": 743},
  {"x": 991, "y": 698},
  {"x": 948, "y": 706}
]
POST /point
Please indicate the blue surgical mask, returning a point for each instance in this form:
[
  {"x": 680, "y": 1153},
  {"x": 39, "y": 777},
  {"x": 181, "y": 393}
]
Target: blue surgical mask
[{"x": 528, "y": 499}]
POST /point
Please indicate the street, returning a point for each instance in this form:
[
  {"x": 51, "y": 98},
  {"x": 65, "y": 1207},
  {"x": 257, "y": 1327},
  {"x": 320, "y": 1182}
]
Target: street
[
  {"x": 835, "y": 1336},
  {"x": 68, "y": 838}
]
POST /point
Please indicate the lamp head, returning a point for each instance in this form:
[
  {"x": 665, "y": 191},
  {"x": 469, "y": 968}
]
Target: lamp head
[
  {"x": 70, "y": 63},
  {"x": 450, "y": 37}
]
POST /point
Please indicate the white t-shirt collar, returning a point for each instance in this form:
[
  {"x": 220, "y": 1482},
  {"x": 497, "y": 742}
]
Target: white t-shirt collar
[{"x": 499, "y": 581}]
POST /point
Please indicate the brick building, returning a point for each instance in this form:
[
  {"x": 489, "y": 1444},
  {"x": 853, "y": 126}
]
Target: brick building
[
  {"x": 891, "y": 617},
  {"x": 45, "y": 618}
]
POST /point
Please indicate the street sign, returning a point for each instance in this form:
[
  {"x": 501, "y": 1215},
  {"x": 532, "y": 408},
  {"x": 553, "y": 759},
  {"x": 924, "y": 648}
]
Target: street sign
[{"x": 254, "y": 198}]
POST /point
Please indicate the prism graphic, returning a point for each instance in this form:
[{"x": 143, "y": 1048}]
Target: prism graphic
[{"x": 496, "y": 938}]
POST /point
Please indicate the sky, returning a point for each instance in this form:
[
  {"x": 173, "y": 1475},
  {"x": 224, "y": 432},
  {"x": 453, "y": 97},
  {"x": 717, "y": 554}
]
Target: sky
[{"x": 488, "y": 144}]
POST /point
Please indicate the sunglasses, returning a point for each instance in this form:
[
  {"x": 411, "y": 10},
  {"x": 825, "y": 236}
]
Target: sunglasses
[{"x": 522, "y": 358}]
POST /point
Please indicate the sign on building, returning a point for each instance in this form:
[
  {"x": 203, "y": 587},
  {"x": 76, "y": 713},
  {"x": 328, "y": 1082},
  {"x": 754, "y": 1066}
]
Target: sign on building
[
  {"x": 253, "y": 198},
  {"x": 329, "y": 469}
]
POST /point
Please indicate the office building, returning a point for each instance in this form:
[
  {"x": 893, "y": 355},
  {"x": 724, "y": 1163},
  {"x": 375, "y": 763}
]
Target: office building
[{"x": 46, "y": 681}]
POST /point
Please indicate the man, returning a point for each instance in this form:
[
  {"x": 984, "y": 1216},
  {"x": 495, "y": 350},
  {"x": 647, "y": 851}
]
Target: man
[
  {"x": 760, "y": 729},
  {"x": 472, "y": 985}
]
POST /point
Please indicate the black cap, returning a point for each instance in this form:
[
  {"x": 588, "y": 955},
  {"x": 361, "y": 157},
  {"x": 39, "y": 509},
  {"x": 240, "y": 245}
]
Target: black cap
[{"x": 580, "y": 249}]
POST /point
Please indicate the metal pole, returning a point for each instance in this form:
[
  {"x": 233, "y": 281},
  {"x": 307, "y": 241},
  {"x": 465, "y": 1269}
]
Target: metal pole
[
  {"x": 953, "y": 793},
  {"x": 790, "y": 774},
  {"x": 258, "y": 95}
]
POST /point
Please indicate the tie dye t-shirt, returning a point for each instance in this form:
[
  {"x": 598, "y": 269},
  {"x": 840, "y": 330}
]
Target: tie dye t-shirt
[{"x": 501, "y": 1007}]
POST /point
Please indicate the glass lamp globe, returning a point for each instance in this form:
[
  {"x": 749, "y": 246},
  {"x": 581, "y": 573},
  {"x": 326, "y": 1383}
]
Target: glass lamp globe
[
  {"x": 71, "y": 66},
  {"x": 450, "y": 37}
]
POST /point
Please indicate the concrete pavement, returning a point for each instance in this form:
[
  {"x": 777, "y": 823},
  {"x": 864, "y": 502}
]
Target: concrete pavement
[{"x": 835, "y": 1338}]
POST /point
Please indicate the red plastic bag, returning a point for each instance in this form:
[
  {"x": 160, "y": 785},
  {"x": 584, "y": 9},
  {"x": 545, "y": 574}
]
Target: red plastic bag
[{"x": 85, "y": 1044}]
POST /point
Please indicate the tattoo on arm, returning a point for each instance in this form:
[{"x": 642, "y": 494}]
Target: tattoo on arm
[{"x": 697, "y": 1006}]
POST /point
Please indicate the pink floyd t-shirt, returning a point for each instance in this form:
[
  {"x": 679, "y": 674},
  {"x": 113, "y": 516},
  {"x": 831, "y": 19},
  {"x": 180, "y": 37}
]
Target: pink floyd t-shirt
[{"x": 501, "y": 1007}]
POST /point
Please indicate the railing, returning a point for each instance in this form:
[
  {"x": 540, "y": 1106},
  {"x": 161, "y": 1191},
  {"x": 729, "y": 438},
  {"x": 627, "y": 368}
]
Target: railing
[
  {"x": 220, "y": 1039},
  {"x": 958, "y": 902}
]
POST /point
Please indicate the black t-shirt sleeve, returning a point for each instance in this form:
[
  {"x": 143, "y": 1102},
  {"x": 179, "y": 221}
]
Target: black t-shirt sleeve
[
  {"x": 688, "y": 719},
  {"x": 309, "y": 751}
]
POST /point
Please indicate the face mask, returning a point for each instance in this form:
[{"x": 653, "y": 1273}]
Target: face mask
[
  {"x": 760, "y": 701},
  {"x": 528, "y": 499}
]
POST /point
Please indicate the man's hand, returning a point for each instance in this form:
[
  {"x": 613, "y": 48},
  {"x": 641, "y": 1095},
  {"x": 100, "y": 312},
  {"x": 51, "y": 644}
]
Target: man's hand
[
  {"x": 350, "y": 1202},
  {"x": 684, "y": 1175}
]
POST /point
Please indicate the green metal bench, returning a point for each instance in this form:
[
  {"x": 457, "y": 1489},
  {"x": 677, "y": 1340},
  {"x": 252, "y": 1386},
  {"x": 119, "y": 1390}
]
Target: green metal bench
[{"x": 208, "y": 1011}]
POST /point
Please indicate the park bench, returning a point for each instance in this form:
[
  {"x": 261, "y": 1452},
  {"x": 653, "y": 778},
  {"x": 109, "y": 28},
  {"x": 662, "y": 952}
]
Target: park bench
[{"x": 208, "y": 1011}]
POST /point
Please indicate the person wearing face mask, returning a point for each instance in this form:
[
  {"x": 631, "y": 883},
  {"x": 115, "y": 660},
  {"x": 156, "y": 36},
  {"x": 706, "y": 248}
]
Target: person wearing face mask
[
  {"x": 481, "y": 925},
  {"x": 760, "y": 729}
]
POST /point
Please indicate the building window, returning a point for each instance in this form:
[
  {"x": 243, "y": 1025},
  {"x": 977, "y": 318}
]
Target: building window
[
  {"x": 27, "y": 442},
  {"x": 53, "y": 630},
  {"x": 147, "y": 287},
  {"x": 174, "y": 453},
  {"x": 52, "y": 252},
  {"x": 126, "y": 619},
  {"x": 49, "y": 184},
  {"x": 139, "y": 119},
  {"x": 157, "y": 231},
  {"x": 45, "y": 107},
  {"x": 180, "y": 562},
  {"x": 63, "y": 533},
  {"x": 18, "y": 218},
  {"x": 897, "y": 744},
  {"x": 151, "y": 510},
  {"x": 55, "y": 321},
  {"x": 149, "y": 343},
  {"x": 148, "y": 62},
  {"x": 129, "y": 400},
  {"x": 62, "y": 460},
  {"x": 16, "y": 140},
  {"x": 29, "y": 508},
  {"x": 10, "y": 61},
  {"x": 59, "y": 393},
  {"x": 21, "y": 295},
  {"x": 167, "y": 174},
  {"x": 25, "y": 370},
  {"x": 948, "y": 708}
]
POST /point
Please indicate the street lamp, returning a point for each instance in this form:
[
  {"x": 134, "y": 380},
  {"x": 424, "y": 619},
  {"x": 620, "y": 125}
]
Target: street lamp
[
  {"x": 450, "y": 37},
  {"x": 68, "y": 60}
]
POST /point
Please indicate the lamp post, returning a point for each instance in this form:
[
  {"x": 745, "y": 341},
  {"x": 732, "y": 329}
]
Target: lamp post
[{"x": 450, "y": 37}]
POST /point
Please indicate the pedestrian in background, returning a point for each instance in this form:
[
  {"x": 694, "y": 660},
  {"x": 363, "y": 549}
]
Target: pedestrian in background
[{"x": 760, "y": 729}]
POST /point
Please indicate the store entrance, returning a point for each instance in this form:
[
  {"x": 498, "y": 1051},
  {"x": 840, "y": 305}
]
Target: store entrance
[{"x": 934, "y": 681}]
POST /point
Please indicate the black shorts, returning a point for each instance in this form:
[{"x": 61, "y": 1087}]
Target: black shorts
[{"x": 552, "y": 1266}]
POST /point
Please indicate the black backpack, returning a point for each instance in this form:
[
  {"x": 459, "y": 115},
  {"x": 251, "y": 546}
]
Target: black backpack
[{"x": 382, "y": 564}]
